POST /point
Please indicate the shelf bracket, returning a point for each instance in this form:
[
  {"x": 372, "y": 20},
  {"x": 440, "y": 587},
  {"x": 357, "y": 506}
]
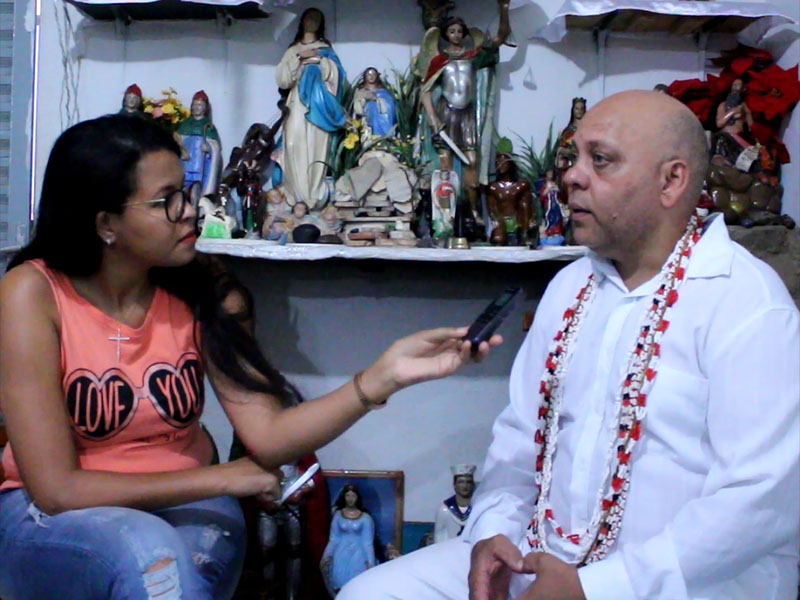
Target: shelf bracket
[
  {"x": 224, "y": 18},
  {"x": 121, "y": 20},
  {"x": 600, "y": 35},
  {"x": 701, "y": 41}
]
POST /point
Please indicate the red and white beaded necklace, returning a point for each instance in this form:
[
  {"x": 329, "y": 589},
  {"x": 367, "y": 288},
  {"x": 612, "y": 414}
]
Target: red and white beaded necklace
[{"x": 594, "y": 542}]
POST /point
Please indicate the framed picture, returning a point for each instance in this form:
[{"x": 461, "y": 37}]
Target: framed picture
[{"x": 382, "y": 495}]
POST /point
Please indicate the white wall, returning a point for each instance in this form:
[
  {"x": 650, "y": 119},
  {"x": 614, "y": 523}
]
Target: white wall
[{"x": 323, "y": 322}]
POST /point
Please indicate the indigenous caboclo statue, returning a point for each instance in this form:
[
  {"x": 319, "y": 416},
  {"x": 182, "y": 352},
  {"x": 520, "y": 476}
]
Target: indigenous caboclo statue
[
  {"x": 458, "y": 94},
  {"x": 454, "y": 511},
  {"x": 509, "y": 201},
  {"x": 202, "y": 162}
]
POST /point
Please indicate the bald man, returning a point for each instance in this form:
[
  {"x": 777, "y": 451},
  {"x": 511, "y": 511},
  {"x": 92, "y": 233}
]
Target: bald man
[{"x": 650, "y": 448}]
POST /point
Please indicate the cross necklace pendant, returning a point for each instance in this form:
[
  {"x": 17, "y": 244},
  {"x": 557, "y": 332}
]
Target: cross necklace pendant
[{"x": 118, "y": 338}]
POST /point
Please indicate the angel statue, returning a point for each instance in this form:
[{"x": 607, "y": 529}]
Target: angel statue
[{"x": 458, "y": 94}]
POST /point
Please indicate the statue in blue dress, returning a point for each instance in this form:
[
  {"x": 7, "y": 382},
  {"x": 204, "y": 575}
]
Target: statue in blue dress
[
  {"x": 350, "y": 548},
  {"x": 374, "y": 103}
]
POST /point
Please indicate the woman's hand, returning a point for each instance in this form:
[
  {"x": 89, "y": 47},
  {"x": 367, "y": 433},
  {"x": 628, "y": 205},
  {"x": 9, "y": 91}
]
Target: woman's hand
[
  {"x": 425, "y": 355},
  {"x": 247, "y": 478}
]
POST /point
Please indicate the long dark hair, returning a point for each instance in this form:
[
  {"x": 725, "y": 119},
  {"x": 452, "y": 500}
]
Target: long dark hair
[
  {"x": 320, "y": 30},
  {"x": 92, "y": 168},
  {"x": 350, "y": 487}
]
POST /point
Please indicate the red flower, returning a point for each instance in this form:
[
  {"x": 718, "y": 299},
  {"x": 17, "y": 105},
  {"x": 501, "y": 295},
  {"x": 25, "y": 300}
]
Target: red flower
[
  {"x": 773, "y": 91},
  {"x": 743, "y": 58},
  {"x": 697, "y": 95}
]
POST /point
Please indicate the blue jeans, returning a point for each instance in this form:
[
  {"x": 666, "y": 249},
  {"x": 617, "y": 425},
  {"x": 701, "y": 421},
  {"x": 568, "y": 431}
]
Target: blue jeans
[{"x": 189, "y": 552}]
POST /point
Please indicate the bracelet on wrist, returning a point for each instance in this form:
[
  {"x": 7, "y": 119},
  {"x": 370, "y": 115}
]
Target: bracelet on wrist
[{"x": 362, "y": 397}]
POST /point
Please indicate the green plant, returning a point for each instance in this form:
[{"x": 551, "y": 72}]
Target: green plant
[
  {"x": 406, "y": 91},
  {"x": 532, "y": 166}
]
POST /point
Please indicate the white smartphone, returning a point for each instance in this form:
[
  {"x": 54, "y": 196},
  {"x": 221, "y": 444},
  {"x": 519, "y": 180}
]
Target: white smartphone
[{"x": 298, "y": 483}]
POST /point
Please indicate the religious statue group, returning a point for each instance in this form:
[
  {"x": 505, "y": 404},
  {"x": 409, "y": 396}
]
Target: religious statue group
[{"x": 340, "y": 165}]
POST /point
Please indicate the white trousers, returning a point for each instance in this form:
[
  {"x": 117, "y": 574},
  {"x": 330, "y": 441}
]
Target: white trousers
[{"x": 438, "y": 572}]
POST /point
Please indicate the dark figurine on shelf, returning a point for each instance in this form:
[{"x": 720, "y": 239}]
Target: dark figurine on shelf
[
  {"x": 132, "y": 101},
  {"x": 435, "y": 12},
  {"x": 202, "y": 154},
  {"x": 456, "y": 66},
  {"x": 565, "y": 146},
  {"x": 509, "y": 202},
  {"x": 555, "y": 213}
]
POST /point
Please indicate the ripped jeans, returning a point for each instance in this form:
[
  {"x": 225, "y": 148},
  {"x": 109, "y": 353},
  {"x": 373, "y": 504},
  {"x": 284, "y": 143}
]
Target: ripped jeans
[{"x": 189, "y": 552}]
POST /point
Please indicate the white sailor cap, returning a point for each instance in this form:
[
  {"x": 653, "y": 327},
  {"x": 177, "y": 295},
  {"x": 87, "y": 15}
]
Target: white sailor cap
[{"x": 463, "y": 469}]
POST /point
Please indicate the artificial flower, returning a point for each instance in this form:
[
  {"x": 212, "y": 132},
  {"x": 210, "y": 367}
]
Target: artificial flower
[
  {"x": 351, "y": 140},
  {"x": 773, "y": 91},
  {"x": 742, "y": 59}
]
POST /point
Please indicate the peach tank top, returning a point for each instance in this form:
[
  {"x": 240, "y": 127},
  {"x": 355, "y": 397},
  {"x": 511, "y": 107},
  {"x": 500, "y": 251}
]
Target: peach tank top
[{"x": 134, "y": 395}]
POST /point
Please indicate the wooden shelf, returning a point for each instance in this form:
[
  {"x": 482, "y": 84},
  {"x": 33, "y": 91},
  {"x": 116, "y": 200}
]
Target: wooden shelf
[
  {"x": 271, "y": 251},
  {"x": 169, "y": 10}
]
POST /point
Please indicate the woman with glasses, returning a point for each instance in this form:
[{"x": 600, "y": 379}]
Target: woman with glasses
[{"x": 109, "y": 321}]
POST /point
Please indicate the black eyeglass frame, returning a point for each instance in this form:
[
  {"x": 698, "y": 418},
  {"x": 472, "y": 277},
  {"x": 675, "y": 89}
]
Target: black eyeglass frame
[{"x": 186, "y": 199}]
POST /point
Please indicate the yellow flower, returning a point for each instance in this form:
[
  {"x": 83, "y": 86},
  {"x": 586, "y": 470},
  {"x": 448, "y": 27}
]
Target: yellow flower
[
  {"x": 168, "y": 108},
  {"x": 148, "y": 108},
  {"x": 350, "y": 140}
]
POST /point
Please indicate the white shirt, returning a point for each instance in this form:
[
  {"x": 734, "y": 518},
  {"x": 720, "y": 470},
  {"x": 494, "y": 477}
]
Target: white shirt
[{"x": 713, "y": 511}]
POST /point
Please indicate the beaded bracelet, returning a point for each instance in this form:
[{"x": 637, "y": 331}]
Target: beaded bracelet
[{"x": 362, "y": 397}]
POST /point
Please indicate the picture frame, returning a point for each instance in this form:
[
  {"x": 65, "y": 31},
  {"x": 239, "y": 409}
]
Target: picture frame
[{"x": 382, "y": 493}]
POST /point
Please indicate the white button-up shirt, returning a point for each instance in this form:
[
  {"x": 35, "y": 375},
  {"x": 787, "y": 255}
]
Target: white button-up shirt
[{"x": 713, "y": 510}]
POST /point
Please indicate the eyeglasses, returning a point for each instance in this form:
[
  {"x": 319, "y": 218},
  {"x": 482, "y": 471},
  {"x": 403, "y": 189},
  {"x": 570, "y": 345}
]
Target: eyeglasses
[{"x": 174, "y": 204}]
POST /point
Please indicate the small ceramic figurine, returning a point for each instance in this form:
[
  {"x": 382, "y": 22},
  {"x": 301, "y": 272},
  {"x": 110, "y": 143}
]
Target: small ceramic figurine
[
  {"x": 373, "y": 102},
  {"x": 565, "y": 146},
  {"x": 312, "y": 76},
  {"x": 350, "y": 549},
  {"x": 734, "y": 119},
  {"x": 213, "y": 221},
  {"x": 444, "y": 195},
  {"x": 132, "y": 101},
  {"x": 454, "y": 511},
  {"x": 456, "y": 63},
  {"x": 555, "y": 212},
  {"x": 509, "y": 201},
  {"x": 202, "y": 160}
]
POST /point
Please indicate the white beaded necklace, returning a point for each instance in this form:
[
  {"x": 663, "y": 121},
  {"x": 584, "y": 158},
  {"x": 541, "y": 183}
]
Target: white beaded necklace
[{"x": 593, "y": 543}]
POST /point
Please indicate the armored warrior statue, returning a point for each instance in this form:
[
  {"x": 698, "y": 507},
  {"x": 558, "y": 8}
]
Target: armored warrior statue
[{"x": 458, "y": 92}]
